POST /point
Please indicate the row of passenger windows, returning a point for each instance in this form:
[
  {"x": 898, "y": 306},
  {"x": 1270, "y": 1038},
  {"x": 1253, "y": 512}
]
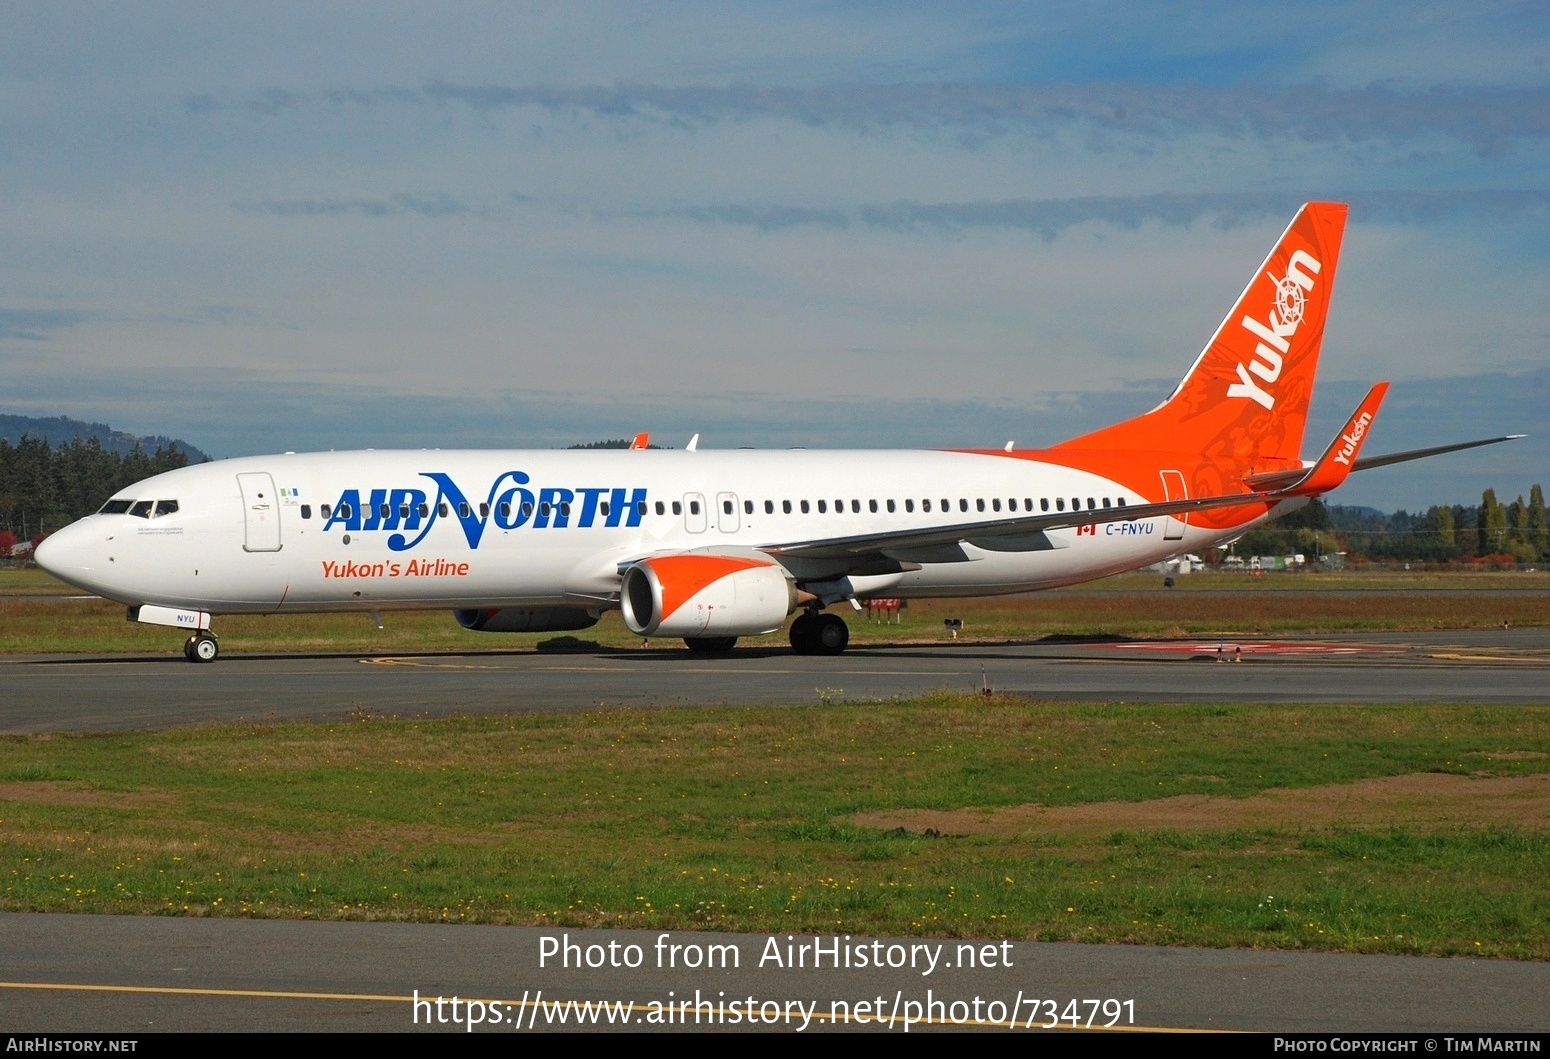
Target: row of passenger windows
[
  {"x": 140, "y": 508},
  {"x": 157, "y": 508},
  {"x": 787, "y": 507},
  {"x": 806, "y": 507}
]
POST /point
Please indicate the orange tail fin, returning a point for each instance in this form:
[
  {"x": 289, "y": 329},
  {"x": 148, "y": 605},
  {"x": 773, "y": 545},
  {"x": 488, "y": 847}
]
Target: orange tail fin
[{"x": 1245, "y": 399}]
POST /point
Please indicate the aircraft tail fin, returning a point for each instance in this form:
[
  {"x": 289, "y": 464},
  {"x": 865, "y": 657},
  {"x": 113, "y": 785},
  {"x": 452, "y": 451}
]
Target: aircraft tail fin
[{"x": 1245, "y": 399}]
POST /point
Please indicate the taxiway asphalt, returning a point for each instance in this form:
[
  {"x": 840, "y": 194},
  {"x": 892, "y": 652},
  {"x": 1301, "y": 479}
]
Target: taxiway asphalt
[
  {"x": 122, "y": 974},
  {"x": 72, "y": 693}
]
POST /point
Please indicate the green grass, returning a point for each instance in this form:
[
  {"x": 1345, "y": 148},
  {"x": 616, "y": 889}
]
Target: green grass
[
  {"x": 742, "y": 819},
  {"x": 1128, "y": 605}
]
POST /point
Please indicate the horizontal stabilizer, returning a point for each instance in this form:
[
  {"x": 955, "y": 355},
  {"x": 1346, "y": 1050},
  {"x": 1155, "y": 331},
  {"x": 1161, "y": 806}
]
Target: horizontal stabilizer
[{"x": 1370, "y": 462}]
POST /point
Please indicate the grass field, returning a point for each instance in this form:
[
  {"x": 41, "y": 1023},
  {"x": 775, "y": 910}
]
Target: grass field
[
  {"x": 37, "y": 615},
  {"x": 1371, "y": 829}
]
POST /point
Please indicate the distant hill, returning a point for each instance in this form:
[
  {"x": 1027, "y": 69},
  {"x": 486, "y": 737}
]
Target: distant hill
[{"x": 60, "y": 429}]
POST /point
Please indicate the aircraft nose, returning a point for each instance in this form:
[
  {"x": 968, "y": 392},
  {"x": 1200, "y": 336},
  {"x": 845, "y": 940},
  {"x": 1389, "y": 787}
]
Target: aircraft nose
[{"x": 73, "y": 554}]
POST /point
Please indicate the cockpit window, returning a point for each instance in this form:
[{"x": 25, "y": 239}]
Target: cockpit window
[
  {"x": 166, "y": 507},
  {"x": 142, "y": 508},
  {"x": 116, "y": 507}
]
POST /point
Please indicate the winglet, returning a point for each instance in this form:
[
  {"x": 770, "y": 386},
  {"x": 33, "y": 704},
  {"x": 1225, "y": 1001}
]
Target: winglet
[
  {"x": 640, "y": 441},
  {"x": 1339, "y": 459}
]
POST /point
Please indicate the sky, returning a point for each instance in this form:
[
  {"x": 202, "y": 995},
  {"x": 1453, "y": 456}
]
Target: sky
[{"x": 301, "y": 226}]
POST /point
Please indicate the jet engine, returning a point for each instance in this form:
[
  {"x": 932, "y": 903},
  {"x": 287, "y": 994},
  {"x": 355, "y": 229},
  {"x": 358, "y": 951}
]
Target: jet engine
[
  {"x": 697, "y": 595},
  {"x": 527, "y": 619}
]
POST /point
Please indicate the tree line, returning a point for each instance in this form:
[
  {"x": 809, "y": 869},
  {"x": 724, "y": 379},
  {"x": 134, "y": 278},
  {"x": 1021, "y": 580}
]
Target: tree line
[
  {"x": 44, "y": 487},
  {"x": 1490, "y": 531}
]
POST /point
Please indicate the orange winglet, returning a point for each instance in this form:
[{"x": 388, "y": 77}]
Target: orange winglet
[
  {"x": 1335, "y": 465},
  {"x": 640, "y": 441}
]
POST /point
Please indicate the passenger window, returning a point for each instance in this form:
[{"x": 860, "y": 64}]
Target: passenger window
[
  {"x": 603, "y": 507},
  {"x": 527, "y": 509},
  {"x": 678, "y": 508},
  {"x": 661, "y": 508},
  {"x": 963, "y": 505},
  {"x": 323, "y": 510},
  {"x": 484, "y": 509},
  {"x": 403, "y": 510},
  {"x": 839, "y": 507},
  {"x": 1076, "y": 503},
  {"x": 1121, "y": 501},
  {"x": 909, "y": 505},
  {"x": 872, "y": 506},
  {"x": 726, "y": 507},
  {"x": 166, "y": 507},
  {"x": 306, "y": 511},
  {"x": 769, "y": 507},
  {"x": 748, "y": 507},
  {"x": 463, "y": 510},
  {"x": 346, "y": 511},
  {"x": 785, "y": 507},
  {"x": 442, "y": 509},
  {"x": 1060, "y": 503},
  {"x": 890, "y": 507},
  {"x": 995, "y": 503},
  {"x": 855, "y": 507},
  {"x": 142, "y": 509},
  {"x": 505, "y": 509},
  {"x": 979, "y": 505},
  {"x": 1043, "y": 503},
  {"x": 823, "y": 507},
  {"x": 1092, "y": 505},
  {"x": 925, "y": 505},
  {"x": 804, "y": 506},
  {"x": 1106, "y": 502},
  {"x": 694, "y": 507},
  {"x": 385, "y": 511},
  {"x": 640, "y": 508},
  {"x": 545, "y": 509}
]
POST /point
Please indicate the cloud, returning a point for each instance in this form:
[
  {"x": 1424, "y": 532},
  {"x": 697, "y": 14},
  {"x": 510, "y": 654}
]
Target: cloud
[
  {"x": 1488, "y": 119},
  {"x": 34, "y": 325},
  {"x": 1050, "y": 217},
  {"x": 768, "y": 218},
  {"x": 392, "y": 206}
]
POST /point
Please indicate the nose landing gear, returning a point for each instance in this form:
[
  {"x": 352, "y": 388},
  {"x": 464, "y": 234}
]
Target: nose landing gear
[{"x": 201, "y": 647}]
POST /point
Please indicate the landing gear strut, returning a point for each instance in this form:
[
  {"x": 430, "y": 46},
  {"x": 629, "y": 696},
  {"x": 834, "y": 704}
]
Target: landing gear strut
[
  {"x": 201, "y": 647},
  {"x": 819, "y": 634}
]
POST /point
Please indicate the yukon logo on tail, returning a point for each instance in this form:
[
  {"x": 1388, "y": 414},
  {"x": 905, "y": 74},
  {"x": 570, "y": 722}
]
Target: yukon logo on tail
[{"x": 1274, "y": 335}]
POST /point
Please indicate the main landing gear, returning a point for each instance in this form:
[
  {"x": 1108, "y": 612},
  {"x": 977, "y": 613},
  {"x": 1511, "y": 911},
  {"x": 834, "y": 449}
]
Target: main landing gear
[
  {"x": 201, "y": 647},
  {"x": 819, "y": 634}
]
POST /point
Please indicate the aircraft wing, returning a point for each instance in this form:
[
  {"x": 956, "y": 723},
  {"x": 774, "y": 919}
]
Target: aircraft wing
[{"x": 1026, "y": 533}]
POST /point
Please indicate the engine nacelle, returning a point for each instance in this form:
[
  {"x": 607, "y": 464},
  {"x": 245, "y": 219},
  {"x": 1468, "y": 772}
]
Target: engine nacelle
[
  {"x": 527, "y": 619},
  {"x": 696, "y": 595}
]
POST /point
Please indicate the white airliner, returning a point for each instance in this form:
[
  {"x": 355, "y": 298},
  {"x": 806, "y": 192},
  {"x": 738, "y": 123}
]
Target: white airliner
[{"x": 710, "y": 546}]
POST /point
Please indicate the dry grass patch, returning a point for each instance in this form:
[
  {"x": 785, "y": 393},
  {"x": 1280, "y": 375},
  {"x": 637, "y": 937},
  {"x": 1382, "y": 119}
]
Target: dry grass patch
[
  {"x": 51, "y": 792},
  {"x": 1422, "y": 801}
]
